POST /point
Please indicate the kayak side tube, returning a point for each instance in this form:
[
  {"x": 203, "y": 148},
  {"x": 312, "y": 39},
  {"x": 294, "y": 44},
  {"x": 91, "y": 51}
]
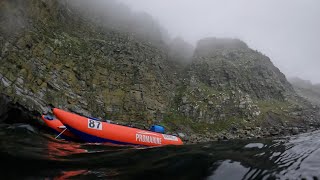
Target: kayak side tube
[{"x": 95, "y": 131}]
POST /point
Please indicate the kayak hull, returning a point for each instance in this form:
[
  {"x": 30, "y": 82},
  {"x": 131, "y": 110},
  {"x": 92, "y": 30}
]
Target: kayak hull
[{"x": 96, "y": 131}]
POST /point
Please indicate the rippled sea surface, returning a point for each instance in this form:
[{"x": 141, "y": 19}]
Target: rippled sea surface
[{"x": 26, "y": 153}]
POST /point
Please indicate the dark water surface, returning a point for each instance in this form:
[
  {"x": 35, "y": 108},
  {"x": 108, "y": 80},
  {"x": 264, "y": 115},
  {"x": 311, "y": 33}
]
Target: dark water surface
[{"x": 26, "y": 153}]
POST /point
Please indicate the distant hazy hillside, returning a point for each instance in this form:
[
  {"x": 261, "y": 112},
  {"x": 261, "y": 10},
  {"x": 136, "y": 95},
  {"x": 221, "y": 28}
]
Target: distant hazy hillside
[{"x": 306, "y": 89}]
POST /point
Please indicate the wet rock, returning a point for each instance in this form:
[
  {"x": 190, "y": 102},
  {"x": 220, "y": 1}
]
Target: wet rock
[
  {"x": 182, "y": 135},
  {"x": 295, "y": 130}
]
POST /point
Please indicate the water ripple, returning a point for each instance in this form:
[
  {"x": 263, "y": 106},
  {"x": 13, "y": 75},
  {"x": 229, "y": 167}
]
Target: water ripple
[{"x": 297, "y": 157}]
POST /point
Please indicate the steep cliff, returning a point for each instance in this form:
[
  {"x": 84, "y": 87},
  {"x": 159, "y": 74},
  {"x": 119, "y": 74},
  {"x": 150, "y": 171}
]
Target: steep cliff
[
  {"x": 63, "y": 59},
  {"x": 230, "y": 86}
]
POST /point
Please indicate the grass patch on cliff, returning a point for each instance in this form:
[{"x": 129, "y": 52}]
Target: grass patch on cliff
[
  {"x": 199, "y": 96},
  {"x": 280, "y": 108},
  {"x": 174, "y": 122},
  {"x": 273, "y": 105}
]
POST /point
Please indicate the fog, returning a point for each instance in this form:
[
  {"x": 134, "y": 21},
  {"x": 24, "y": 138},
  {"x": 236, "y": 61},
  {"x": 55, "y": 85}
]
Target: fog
[{"x": 287, "y": 31}]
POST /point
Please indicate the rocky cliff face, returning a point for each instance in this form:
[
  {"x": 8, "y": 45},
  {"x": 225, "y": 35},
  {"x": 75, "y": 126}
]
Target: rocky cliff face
[
  {"x": 226, "y": 64},
  {"x": 64, "y": 60},
  {"x": 54, "y": 55}
]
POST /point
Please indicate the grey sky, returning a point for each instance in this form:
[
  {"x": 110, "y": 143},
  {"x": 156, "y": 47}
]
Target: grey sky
[{"x": 287, "y": 31}]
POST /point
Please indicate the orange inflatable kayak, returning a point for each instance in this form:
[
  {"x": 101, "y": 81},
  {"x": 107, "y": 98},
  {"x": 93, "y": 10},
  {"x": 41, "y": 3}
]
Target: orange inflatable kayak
[
  {"x": 56, "y": 125},
  {"x": 97, "y": 131}
]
